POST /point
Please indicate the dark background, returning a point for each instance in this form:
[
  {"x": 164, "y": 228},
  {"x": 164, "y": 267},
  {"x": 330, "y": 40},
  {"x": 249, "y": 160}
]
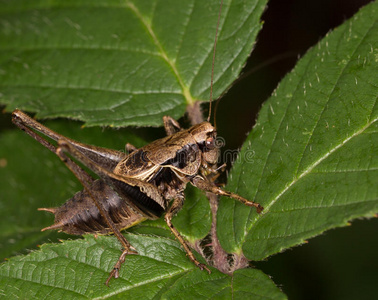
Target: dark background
[{"x": 342, "y": 263}]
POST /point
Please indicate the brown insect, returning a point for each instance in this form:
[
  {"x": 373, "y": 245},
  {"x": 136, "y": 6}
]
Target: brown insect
[{"x": 136, "y": 186}]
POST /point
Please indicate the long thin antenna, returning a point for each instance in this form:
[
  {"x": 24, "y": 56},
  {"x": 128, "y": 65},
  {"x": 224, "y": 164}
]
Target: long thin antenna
[{"x": 212, "y": 67}]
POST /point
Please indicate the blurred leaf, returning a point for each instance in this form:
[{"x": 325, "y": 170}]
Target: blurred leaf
[
  {"x": 120, "y": 63},
  {"x": 311, "y": 159}
]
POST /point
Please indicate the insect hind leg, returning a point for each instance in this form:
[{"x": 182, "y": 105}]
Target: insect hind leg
[
  {"x": 127, "y": 248},
  {"x": 107, "y": 158}
]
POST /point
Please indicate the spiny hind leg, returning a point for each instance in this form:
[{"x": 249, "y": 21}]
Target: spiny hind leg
[
  {"x": 115, "y": 272},
  {"x": 105, "y": 157},
  {"x": 63, "y": 147}
]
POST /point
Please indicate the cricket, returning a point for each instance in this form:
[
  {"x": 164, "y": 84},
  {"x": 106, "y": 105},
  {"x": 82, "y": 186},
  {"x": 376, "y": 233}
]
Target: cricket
[{"x": 141, "y": 184}]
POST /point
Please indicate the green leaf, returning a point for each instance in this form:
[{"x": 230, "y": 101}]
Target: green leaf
[
  {"x": 161, "y": 270},
  {"x": 311, "y": 159},
  {"x": 120, "y": 63},
  {"x": 194, "y": 219},
  {"x": 109, "y": 63},
  {"x": 244, "y": 284}
]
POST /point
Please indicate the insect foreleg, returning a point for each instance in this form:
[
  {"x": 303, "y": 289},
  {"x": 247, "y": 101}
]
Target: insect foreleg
[
  {"x": 175, "y": 207},
  {"x": 200, "y": 183},
  {"x": 171, "y": 125},
  {"x": 130, "y": 148}
]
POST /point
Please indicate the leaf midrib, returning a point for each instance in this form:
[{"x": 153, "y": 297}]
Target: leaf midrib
[
  {"x": 185, "y": 90},
  {"x": 190, "y": 100},
  {"x": 91, "y": 88},
  {"x": 310, "y": 168},
  {"x": 323, "y": 157}
]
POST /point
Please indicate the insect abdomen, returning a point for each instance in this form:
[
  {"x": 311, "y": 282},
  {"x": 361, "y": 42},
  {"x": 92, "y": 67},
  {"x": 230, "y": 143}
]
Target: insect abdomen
[{"x": 79, "y": 215}]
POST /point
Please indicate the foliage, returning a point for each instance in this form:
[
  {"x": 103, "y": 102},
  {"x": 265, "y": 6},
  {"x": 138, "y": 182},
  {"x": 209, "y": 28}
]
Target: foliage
[{"x": 310, "y": 159}]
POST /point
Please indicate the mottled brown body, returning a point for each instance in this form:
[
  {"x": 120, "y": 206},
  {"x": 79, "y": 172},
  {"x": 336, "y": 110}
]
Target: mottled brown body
[
  {"x": 133, "y": 187},
  {"x": 137, "y": 186},
  {"x": 80, "y": 216}
]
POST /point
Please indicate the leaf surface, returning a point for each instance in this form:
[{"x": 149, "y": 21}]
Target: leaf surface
[
  {"x": 311, "y": 159},
  {"x": 120, "y": 63},
  {"x": 109, "y": 63},
  {"x": 79, "y": 268}
]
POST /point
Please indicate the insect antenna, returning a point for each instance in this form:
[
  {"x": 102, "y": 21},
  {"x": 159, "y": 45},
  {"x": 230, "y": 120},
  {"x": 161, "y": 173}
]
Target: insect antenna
[{"x": 212, "y": 67}]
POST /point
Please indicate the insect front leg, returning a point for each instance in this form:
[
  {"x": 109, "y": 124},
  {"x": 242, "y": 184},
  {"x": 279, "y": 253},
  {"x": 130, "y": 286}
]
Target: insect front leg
[
  {"x": 130, "y": 148},
  {"x": 171, "y": 125},
  {"x": 202, "y": 184},
  {"x": 217, "y": 172},
  {"x": 175, "y": 207},
  {"x": 212, "y": 173}
]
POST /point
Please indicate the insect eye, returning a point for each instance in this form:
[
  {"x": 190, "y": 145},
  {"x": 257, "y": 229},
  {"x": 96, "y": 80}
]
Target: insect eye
[{"x": 210, "y": 143}]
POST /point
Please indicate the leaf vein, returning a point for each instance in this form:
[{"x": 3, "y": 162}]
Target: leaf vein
[{"x": 163, "y": 54}]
